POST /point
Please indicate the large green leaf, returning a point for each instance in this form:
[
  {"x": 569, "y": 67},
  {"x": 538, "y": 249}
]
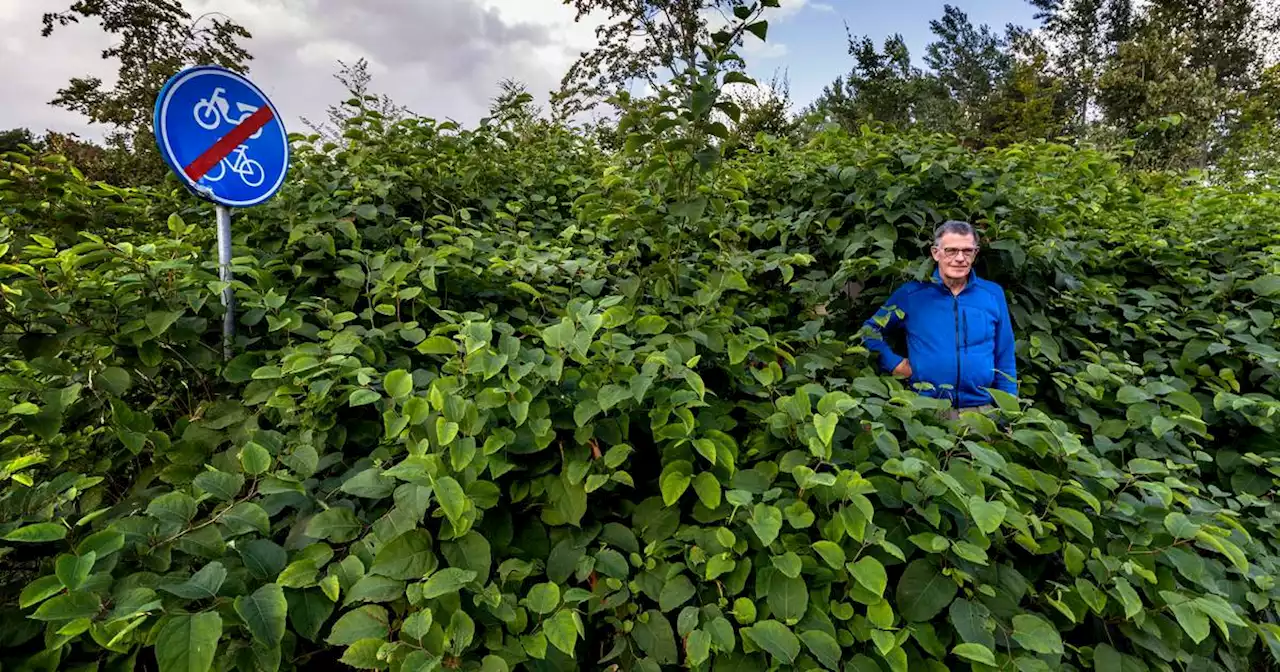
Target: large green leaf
[
  {"x": 923, "y": 592},
  {"x": 187, "y": 642},
  {"x": 264, "y": 611}
]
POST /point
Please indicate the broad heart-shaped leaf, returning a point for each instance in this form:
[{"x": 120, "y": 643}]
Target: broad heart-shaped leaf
[
  {"x": 367, "y": 622},
  {"x": 823, "y": 646},
  {"x": 707, "y": 486},
  {"x": 673, "y": 484},
  {"x": 187, "y": 642},
  {"x": 788, "y": 597},
  {"x": 775, "y": 638},
  {"x": 987, "y": 515},
  {"x": 831, "y": 553},
  {"x": 159, "y": 321},
  {"x": 407, "y": 557},
  {"x": 923, "y": 592},
  {"x": 220, "y": 484},
  {"x": 870, "y": 573},
  {"x": 337, "y": 524},
  {"x": 264, "y": 612},
  {"x": 449, "y": 580},
  {"x": 1180, "y": 526},
  {"x": 675, "y": 592},
  {"x": 976, "y": 653},
  {"x": 1037, "y": 634},
  {"x": 562, "y": 631},
  {"x": 398, "y": 384},
  {"x": 202, "y": 585},
  {"x": 766, "y": 522},
  {"x": 654, "y": 636},
  {"x": 544, "y": 598},
  {"x": 451, "y": 497},
  {"x": 825, "y": 423},
  {"x": 73, "y": 570}
]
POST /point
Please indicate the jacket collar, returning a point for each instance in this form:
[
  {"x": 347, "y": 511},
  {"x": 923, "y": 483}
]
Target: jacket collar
[{"x": 937, "y": 279}]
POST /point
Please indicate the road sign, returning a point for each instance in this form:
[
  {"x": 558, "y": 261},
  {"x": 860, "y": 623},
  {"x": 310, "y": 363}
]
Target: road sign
[
  {"x": 222, "y": 136},
  {"x": 224, "y": 139}
]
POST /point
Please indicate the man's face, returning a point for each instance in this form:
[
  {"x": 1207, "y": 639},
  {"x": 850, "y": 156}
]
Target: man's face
[{"x": 954, "y": 254}]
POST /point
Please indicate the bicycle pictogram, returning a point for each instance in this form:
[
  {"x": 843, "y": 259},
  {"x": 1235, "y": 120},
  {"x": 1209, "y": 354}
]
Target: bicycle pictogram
[
  {"x": 212, "y": 111},
  {"x": 250, "y": 171}
]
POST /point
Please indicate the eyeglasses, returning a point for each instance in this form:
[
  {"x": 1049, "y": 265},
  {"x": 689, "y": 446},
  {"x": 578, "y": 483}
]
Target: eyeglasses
[{"x": 951, "y": 252}]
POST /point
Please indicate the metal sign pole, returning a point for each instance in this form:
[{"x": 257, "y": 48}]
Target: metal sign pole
[{"x": 224, "y": 274}]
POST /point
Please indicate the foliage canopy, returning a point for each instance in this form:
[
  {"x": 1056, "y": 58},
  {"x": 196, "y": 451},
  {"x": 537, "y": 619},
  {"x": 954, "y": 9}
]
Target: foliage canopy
[{"x": 502, "y": 400}]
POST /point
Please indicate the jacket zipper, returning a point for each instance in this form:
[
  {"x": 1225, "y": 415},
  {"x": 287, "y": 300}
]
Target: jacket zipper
[{"x": 955, "y": 305}]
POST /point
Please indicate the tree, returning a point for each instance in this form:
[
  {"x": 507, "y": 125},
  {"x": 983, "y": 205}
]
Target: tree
[
  {"x": 13, "y": 139},
  {"x": 1030, "y": 102},
  {"x": 645, "y": 41},
  {"x": 355, "y": 79},
  {"x": 969, "y": 63},
  {"x": 765, "y": 109},
  {"x": 1081, "y": 33},
  {"x": 157, "y": 38},
  {"x": 881, "y": 86}
]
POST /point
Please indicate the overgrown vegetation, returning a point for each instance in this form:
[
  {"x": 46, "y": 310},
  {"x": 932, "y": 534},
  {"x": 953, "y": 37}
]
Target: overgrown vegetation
[{"x": 501, "y": 399}]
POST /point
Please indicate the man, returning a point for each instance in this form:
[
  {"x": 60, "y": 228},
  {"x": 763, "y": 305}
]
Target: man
[{"x": 959, "y": 335}]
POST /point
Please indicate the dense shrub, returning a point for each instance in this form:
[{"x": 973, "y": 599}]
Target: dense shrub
[{"x": 501, "y": 401}]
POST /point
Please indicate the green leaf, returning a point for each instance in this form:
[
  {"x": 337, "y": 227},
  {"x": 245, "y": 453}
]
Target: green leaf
[
  {"x": 653, "y": 634},
  {"x": 25, "y": 408},
  {"x": 254, "y": 459},
  {"x": 611, "y": 395},
  {"x": 40, "y": 532},
  {"x": 544, "y": 598},
  {"x": 562, "y": 631},
  {"x": 367, "y": 622},
  {"x": 187, "y": 642},
  {"x": 766, "y": 522},
  {"x": 708, "y": 489},
  {"x": 362, "y": 396},
  {"x": 337, "y": 524},
  {"x": 831, "y": 553},
  {"x": 650, "y": 325},
  {"x": 775, "y": 638},
  {"x": 73, "y": 570},
  {"x": 1037, "y": 634},
  {"x": 923, "y": 592},
  {"x": 159, "y": 321},
  {"x": 675, "y": 592},
  {"x": 826, "y": 426},
  {"x": 1267, "y": 285},
  {"x": 445, "y": 581},
  {"x": 406, "y": 558},
  {"x": 398, "y": 384},
  {"x": 68, "y": 607},
  {"x": 673, "y": 484},
  {"x": 788, "y": 597},
  {"x": 760, "y": 29},
  {"x": 823, "y": 646},
  {"x": 220, "y": 484},
  {"x": 452, "y": 499},
  {"x": 698, "y": 647},
  {"x": 1180, "y": 526},
  {"x": 987, "y": 515},
  {"x": 788, "y": 563},
  {"x": 1193, "y": 621},
  {"x": 975, "y": 653},
  {"x": 868, "y": 572},
  {"x": 115, "y": 380},
  {"x": 438, "y": 345},
  {"x": 367, "y": 211},
  {"x": 203, "y": 585},
  {"x": 264, "y": 611}
]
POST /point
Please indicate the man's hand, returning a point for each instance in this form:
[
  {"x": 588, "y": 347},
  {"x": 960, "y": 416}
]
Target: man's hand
[{"x": 903, "y": 370}]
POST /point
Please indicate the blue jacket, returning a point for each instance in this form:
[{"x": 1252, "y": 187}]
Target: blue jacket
[{"x": 954, "y": 342}]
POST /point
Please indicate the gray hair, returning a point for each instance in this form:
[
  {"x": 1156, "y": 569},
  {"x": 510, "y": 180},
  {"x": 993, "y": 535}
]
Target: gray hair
[{"x": 954, "y": 226}]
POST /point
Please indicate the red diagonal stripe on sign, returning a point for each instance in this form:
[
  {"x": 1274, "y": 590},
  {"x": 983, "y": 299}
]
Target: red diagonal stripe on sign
[{"x": 220, "y": 149}]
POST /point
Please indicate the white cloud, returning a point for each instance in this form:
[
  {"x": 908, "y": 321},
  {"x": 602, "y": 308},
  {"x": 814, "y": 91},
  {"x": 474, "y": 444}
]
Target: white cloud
[{"x": 439, "y": 58}]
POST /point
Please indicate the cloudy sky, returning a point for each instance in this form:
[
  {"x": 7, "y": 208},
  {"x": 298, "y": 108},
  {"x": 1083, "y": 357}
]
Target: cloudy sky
[{"x": 440, "y": 58}]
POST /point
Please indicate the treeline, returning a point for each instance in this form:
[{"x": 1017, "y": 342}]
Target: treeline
[{"x": 1173, "y": 85}]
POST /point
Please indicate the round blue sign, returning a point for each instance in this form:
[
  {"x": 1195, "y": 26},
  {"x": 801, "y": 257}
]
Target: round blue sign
[{"x": 222, "y": 136}]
